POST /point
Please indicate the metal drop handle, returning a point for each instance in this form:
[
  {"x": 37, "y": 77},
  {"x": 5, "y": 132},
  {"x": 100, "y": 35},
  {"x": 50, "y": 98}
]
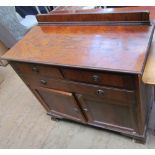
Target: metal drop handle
[
  {"x": 96, "y": 78},
  {"x": 100, "y": 92},
  {"x": 43, "y": 82},
  {"x": 85, "y": 109},
  {"x": 35, "y": 69}
]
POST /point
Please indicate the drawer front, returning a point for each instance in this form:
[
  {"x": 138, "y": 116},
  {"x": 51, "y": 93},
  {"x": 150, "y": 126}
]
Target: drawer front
[
  {"x": 104, "y": 78},
  {"x": 118, "y": 96},
  {"x": 37, "y": 70}
]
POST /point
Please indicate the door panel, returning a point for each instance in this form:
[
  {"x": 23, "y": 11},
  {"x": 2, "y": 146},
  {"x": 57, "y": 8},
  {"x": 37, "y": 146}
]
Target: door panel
[
  {"x": 61, "y": 103},
  {"x": 102, "y": 112}
]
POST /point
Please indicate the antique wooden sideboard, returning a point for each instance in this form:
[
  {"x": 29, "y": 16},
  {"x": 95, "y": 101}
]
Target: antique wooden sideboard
[{"x": 88, "y": 68}]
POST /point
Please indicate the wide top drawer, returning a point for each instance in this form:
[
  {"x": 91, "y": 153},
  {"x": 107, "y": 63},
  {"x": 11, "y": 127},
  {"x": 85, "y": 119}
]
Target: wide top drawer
[
  {"x": 100, "y": 78},
  {"x": 117, "y": 96},
  {"x": 36, "y": 69}
]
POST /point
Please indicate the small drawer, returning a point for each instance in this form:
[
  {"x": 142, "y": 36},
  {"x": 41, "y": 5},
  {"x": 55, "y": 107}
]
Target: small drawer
[
  {"x": 120, "y": 96},
  {"x": 100, "y": 78},
  {"x": 36, "y": 69}
]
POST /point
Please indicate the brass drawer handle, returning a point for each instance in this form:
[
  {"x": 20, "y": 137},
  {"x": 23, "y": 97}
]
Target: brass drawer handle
[
  {"x": 43, "y": 82},
  {"x": 100, "y": 92},
  {"x": 35, "y": 69},
  {"x": 96, "y": 78}
]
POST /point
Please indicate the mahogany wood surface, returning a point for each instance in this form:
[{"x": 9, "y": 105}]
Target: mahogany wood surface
[
  {"x": 111, "y": 48},
  {"x": 61, "y": 103},
  {"x": 100, "y": 78},
  {"x": 149, "y": 72},
  {"x": 90, "y": 74},
  {"x": 121, "y": 110},
  {"x": 151, "y": 9},
  {"x": 38, "y": 70},
  {"x": 103, "y": 112},
  {"x": 127, "y": 16},
  {"x": 118, "y": 96}
]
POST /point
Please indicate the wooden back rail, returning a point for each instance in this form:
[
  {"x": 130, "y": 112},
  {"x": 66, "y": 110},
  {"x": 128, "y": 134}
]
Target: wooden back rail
[{"x": 114, "y": 18}]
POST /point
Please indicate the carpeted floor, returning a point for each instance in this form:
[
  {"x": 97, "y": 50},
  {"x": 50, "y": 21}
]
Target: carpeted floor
[
  {"x": 24, "y": 123},
  {"x": 3, "y": 50}
]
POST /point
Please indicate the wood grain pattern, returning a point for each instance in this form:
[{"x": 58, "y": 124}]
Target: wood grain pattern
[
  {"x": 127, "y": 16},
  {"x": 119, "y": 96},
  {"x": 118, "y": 80},
  {"x": 112, "y": 48},
  {"x": 145, "y": 99},
  {"x": 151, "y": 9},
  {"x": 149, "y": 71},
  {"x": 37, "y": 70},
  {"x": 66, "y": 50},
  {"x": 61, "y": 103},
  {"x": 103, "y": 113},
  {"x": 36, "y": 130}
]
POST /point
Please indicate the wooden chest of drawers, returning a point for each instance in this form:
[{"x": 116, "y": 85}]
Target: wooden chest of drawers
[
  {"x": 102, "y": 99},
  {"x": 89, "y": 74}
]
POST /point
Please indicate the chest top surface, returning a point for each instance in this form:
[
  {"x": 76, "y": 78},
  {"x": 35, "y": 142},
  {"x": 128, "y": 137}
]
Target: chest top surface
[{"x": 111, "y": 48}]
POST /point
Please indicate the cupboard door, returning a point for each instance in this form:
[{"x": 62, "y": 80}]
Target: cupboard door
[
  {"x": 61, "y": 104},
  {"x": 104, "y": 113}
]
